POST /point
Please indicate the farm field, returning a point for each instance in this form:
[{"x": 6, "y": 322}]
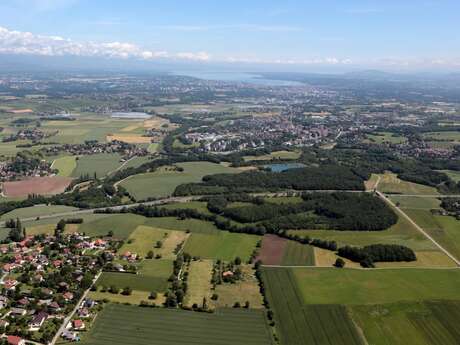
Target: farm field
[
  {"x": 136, "y": 162},
  {"x": 100, "y": 164},
  {"x": 163, "y": 182},
  {"x": 191, "y": 225},
  {"x": 298, "y": 323},
  {"x": 391, "y": 184},
  {"x": 278, "y": 251},
  {"x": 36, "y": 211},
  {"x": 415, "y": 202},
  {"x": 199, "y": 282},
  {"x": 125, "y": 325},
  {"x": 386, "y": 137},
  {"x": 352, "y": 286},
  {"x": 122, "y": 225},
  {"x": 143, "y": 239},
  {"x": 65, "y": 165},
  {"x": 418, "y": 323},
  {"x": 444, "y": 229},
  {"x": 135, "y": 298},
  {"x": 48, "y": 185},
  {"x": 134, "y": 281},
  {"x": 242, "y": 291},
  {"x": 194, "y": 205},
  {"x": 224, "y": 245},
  {"x": 402, "y": 233},
  {"x": 443, "y": 136},
  {"x": 276, "y": 155}
]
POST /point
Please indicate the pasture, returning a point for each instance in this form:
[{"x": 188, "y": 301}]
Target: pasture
[
  {"x": 298, "y": 323},
  {"x": 391, "y": 184},
  {"x": 137, "y": 282},
  {"x": 223, "y": 245},
  {"x": 36, "y": 211},
  {"x": 122, "y": 225},
  {"x": 126, "y": 325},
  {"x": 199, "y": 282},
  {"x": 418, "y": 323},
  {"x": 65, "y": 165},
  {"x": 143, "y": 239},
  {"x": 276, "y": 155},
  {"x": 359, "y": 286},
  {"x": 415, "y": 202},
  {"x": 164, "y": 181},
  {"x": 99, "y": 164}
]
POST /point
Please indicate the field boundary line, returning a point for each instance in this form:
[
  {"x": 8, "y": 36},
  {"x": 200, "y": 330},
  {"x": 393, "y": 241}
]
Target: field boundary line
[{"x": 391, "y": 203}]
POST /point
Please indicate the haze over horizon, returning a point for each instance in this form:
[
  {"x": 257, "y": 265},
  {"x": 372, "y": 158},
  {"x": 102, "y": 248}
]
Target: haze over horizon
[{"x": 260, "y": 35}]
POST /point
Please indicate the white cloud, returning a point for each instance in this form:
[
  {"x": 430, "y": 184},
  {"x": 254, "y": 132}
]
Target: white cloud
[{"x": 18, "y": 42}]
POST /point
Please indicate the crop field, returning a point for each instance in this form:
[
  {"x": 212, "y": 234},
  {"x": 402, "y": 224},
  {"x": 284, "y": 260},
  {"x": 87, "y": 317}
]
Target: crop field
[
  {"x": 416, "y": 202},
  {"x": 224, "y": 245},
  {"x": 199, "y": 282},
  {"x": 444, "y": 229},
  {"x": 298, "y": 254},
  {"x": 298, "y": 323},
  {"x": 418, "y": 323},
  {"x": 191, "y": 225},
  {"x": 194, "y": 205},
  {"x": 122, "y": 225},
  {"x": 279, "y": 251},
  {"x": 402, "y": 233},
  {"x": 327, "y": 258},
  {"x": 136, "y": 162},
  {"x": 65, "y": 165},
  {"x": 35, "y": 211},
  {"x": 358, "y": 286},
  {"x": 156, "y": 268},
  {"x": 163, "y": 182},
  {"x": 48, "y": 185},
  {"x": 135, "y": 298},
  {"x": 126, "y": 325},
  {"x": 100, "y": 164},
  {"x": 137, "y": 282},
  {"x": 386, "y": 137},
  {"x": 391, "y": 184},
  {"x": 272, "y": 250},
  {"x": 276, "y": 155},
  {"x": 443, "y": 136},
  {"x": 143, "y": 239}
]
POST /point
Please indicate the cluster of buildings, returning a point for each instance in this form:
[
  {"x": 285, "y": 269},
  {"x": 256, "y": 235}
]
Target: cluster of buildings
[
  {"x": 44, "y": 278},
  {"x": 33, "y": 134}
]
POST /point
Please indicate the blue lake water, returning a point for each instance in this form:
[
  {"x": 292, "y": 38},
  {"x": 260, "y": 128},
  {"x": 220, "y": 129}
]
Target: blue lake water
[
  {"x": 283, "y": 167},
  {"x": 235, "y": 77}
]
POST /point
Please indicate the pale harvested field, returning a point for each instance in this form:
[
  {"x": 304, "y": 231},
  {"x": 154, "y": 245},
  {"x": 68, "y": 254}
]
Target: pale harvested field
[
  {"x": 131, "y": 128},
  {"x": 424, "y": 259},
  {"x": 171, "y": 242},
  {"x": 48, "y": 185},
  {"x": 199, "y": 282},
  {"x": 130, "y": 139},
  {"x": 326, "y": 258}
]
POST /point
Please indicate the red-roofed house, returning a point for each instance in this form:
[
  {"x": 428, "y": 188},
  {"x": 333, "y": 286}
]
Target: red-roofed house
[
  {"x": 15, "y": 340},
  {"x": 78, "y": 324}
]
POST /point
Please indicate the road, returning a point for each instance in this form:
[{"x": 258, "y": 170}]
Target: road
[
  {"x": 391, "y": 203},
  {"x": 69, "y": 317}
]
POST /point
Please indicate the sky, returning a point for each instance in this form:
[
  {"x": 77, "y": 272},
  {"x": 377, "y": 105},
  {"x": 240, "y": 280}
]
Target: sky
[{"x": 400, "y": 35}]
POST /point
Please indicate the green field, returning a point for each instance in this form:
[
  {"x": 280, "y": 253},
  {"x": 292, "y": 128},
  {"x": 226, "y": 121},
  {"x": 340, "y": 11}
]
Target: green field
[
  {"x": 100, "y": 164},
  {"x": 276, "y": 155},
  {"x": 192, "y": 225},
  {"x": 298, "y": 254},
  {"x": 454, "y": 175},
  {"x": 419, "y": 323},
  {"x": 298, "y": 323},
  {"x": 136, "y": 162},
  {"x": 357, "y": 286},
  {"x": 143, "y": 239},
  {"x": 386, "y": 137},
  {"x": 137, "y": 282},
  {"x": 200, "y": 206},
  {"x": 122, "y": 225},
  {"x": 403, "y": 233},
  {"x": 65, "y": 165},
  {"x": 416, "y": 202},
  {"x": 126, "y": 325},
  {"x": 444, "y": 229},
  {"x": 447, "y": 136},
  {"x": 391, "y": 184},
  {"x": 156, "y": 268},
  {"x": 36, "y": 211},
  {"x": 163, "y": 182},
  {"x": 223, "y": 245}
]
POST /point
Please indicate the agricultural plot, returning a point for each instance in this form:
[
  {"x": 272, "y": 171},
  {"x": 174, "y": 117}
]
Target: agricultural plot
[
  {"x": 65, "y": 165},
  {"x": 223, "y": 245},
  {"x": 298, "y": 323},
  {"x": 36, "y": 211},
  {"x": 415, "y": 202},
  {"x": 122, "y": 225},
  {"x": 136, "y": 162},
  {"x": 48, "y": 185},
  {"x": 419, "y": 323},
  {"x": 386, "y": 137},
  {"x": 444, "y": 229},
  {"x": 454, "y": 175},
  {"x": 279, "y": 251},
  {"x": 163, "y": 182},
  {"x": 391, "y": 184},
  {"x": 135, "y": 298},
  {"x": 443, "y": 136},
  {"x": 99, "y": 164},
  {"x": 358, "y": 286},
  {"x": 125, "y": 325},
  {"x": 276, "y": 155},
  {"x": 134, "y": 281},
  {"x": 242, "y": 291},
  {"x": 193, "y": 205},
  {"x": 189, "y": 225},
  {"x": 199, "y": 282},
  {"x": 143, "y": 239}
]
